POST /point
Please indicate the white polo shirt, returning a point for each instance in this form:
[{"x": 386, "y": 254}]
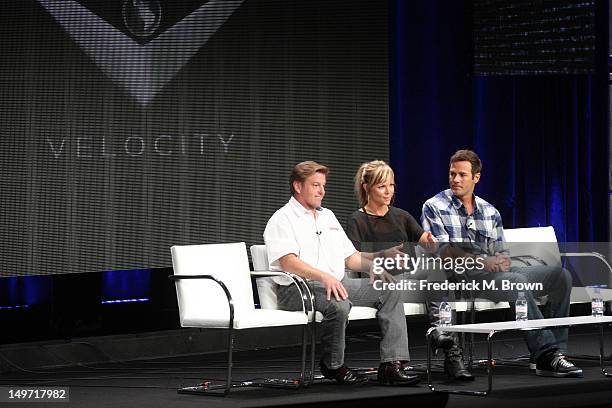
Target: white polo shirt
[{"x": 319, "y": 242}]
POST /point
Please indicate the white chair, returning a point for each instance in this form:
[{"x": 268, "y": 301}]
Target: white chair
[
  {"x": 267, "y": 289},
  {"x": 213, "y": 288},
  {"x": 521, "y": 241},
  {"x": 546, "y": 252},
  {"x": 268, "y": 286}
]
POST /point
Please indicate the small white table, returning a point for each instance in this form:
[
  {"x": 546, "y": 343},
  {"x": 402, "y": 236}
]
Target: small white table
[{"x": 490, "y": 329}]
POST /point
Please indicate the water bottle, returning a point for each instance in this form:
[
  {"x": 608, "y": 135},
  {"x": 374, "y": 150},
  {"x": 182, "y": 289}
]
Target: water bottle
[
  {"x": 520, "y": 308},
  {"x": 445, "y": 313},
  {"x": 597, "y": 304}
]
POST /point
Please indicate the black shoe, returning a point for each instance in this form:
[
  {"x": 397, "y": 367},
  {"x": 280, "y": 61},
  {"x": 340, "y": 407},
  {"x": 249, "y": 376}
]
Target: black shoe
[
  {"x": 454, "y": 367},
  {"x": 343, "y": 375},
  {"x": 441, "y": 341},
  {"x": 392, "y": 373},
  {"x": 554, "y": 364},
  {"x": 405, "y": 364}
]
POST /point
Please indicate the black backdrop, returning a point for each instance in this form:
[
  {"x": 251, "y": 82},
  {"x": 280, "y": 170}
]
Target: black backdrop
[{"x": 126, "y": 130}]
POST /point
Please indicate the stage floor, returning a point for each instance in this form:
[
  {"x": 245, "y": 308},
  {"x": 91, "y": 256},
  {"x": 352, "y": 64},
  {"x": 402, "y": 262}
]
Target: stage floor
[{"x": 153, "y": 383}]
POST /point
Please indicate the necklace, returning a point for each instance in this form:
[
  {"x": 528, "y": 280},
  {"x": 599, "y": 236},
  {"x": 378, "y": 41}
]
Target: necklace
[{"x": 371, "y": 212}]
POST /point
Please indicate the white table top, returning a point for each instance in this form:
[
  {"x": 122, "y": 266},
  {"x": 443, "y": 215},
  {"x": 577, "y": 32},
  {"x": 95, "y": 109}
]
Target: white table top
[{"x": 528, "y": 325}]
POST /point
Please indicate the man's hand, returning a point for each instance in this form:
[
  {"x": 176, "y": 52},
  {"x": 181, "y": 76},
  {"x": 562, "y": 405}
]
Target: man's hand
[
  {"x": 490, "y": 264},
  {"x": 497, "y": 263},
  {"x": 292, "y": 264},
  {"x": 333, "y": 286},
  {"x": 503, "y": 262},
  {"x": 385, "y": 276}
]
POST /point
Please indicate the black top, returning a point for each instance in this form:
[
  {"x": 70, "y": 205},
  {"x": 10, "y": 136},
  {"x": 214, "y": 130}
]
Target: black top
[{"x": 372, "y": 233}]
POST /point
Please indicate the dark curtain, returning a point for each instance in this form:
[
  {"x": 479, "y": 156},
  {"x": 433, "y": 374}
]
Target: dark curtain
[{"x": 543, "y": 140}]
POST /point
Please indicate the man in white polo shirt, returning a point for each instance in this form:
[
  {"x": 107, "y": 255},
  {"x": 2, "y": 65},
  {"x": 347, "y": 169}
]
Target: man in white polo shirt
[{"x": 307, "y": 240}]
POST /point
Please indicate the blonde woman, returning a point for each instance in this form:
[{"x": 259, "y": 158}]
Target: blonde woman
[
  {"x": 382, "y": 228},
  {"x": 377, "y": 224}
]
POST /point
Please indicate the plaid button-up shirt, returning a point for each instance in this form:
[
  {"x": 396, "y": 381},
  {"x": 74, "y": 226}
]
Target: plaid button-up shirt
[{"x": 447, "y": 218}]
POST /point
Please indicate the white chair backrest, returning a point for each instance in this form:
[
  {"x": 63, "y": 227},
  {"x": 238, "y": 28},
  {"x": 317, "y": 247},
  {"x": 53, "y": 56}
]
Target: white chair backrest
[
  {"x": 203, "y": 297},
  {"x": 266, "y": 287},
  {"x": 540, "y": 242},
  {"x": 260, "y": 258}
]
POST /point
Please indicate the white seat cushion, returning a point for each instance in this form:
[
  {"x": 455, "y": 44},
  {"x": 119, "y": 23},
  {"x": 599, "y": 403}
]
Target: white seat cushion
[
  {"x": 483, "y": 304},
  {"x": 256, "y": 318},
  {"x": 356, "y": 313},
  {"x": 414, "y": 309},
  {"x": 362, "y": 312},
  {"x": 480, "y": 305}
]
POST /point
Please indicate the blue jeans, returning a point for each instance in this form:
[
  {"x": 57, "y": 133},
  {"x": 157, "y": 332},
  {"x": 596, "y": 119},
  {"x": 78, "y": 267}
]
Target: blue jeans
[{"x": 556, "y": 284}]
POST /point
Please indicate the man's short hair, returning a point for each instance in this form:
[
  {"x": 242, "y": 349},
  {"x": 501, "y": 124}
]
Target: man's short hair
[
  {"x": 303, "y": 170},
  {"x": 469, "y": 156}
]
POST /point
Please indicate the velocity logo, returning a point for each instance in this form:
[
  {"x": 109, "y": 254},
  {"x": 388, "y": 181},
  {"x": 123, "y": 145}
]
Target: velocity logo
[
  {"x": 142, "y": 69},
  {"x": 141, "y": 17}
]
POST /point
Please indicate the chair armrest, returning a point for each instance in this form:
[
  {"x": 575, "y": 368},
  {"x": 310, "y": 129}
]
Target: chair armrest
[
  {"x": 270, "y": 274},
  {"x": 264, "y": 274},
  {"x": 591, "y": 255},
  {"x": 180, "y": 277},
  {"x": 230, "y": 302},
  {"x": 300, "y": 283}
]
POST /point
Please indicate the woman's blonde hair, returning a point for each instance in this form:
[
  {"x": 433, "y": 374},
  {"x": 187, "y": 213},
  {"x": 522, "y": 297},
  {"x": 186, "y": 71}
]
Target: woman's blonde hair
[{"x": 371, "y": 174}]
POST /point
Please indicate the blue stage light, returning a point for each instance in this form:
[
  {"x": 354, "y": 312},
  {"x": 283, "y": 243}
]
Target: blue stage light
[{"x": 115, "y": 301}]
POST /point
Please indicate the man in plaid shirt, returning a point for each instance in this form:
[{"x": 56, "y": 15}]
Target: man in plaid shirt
[{"x": 472, "y": 228}]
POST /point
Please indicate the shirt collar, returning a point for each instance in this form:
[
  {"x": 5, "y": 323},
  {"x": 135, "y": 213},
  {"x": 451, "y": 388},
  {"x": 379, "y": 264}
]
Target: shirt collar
[
  {"x": 299, "y": 209},
  {"x": 458, "y": 204}
]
